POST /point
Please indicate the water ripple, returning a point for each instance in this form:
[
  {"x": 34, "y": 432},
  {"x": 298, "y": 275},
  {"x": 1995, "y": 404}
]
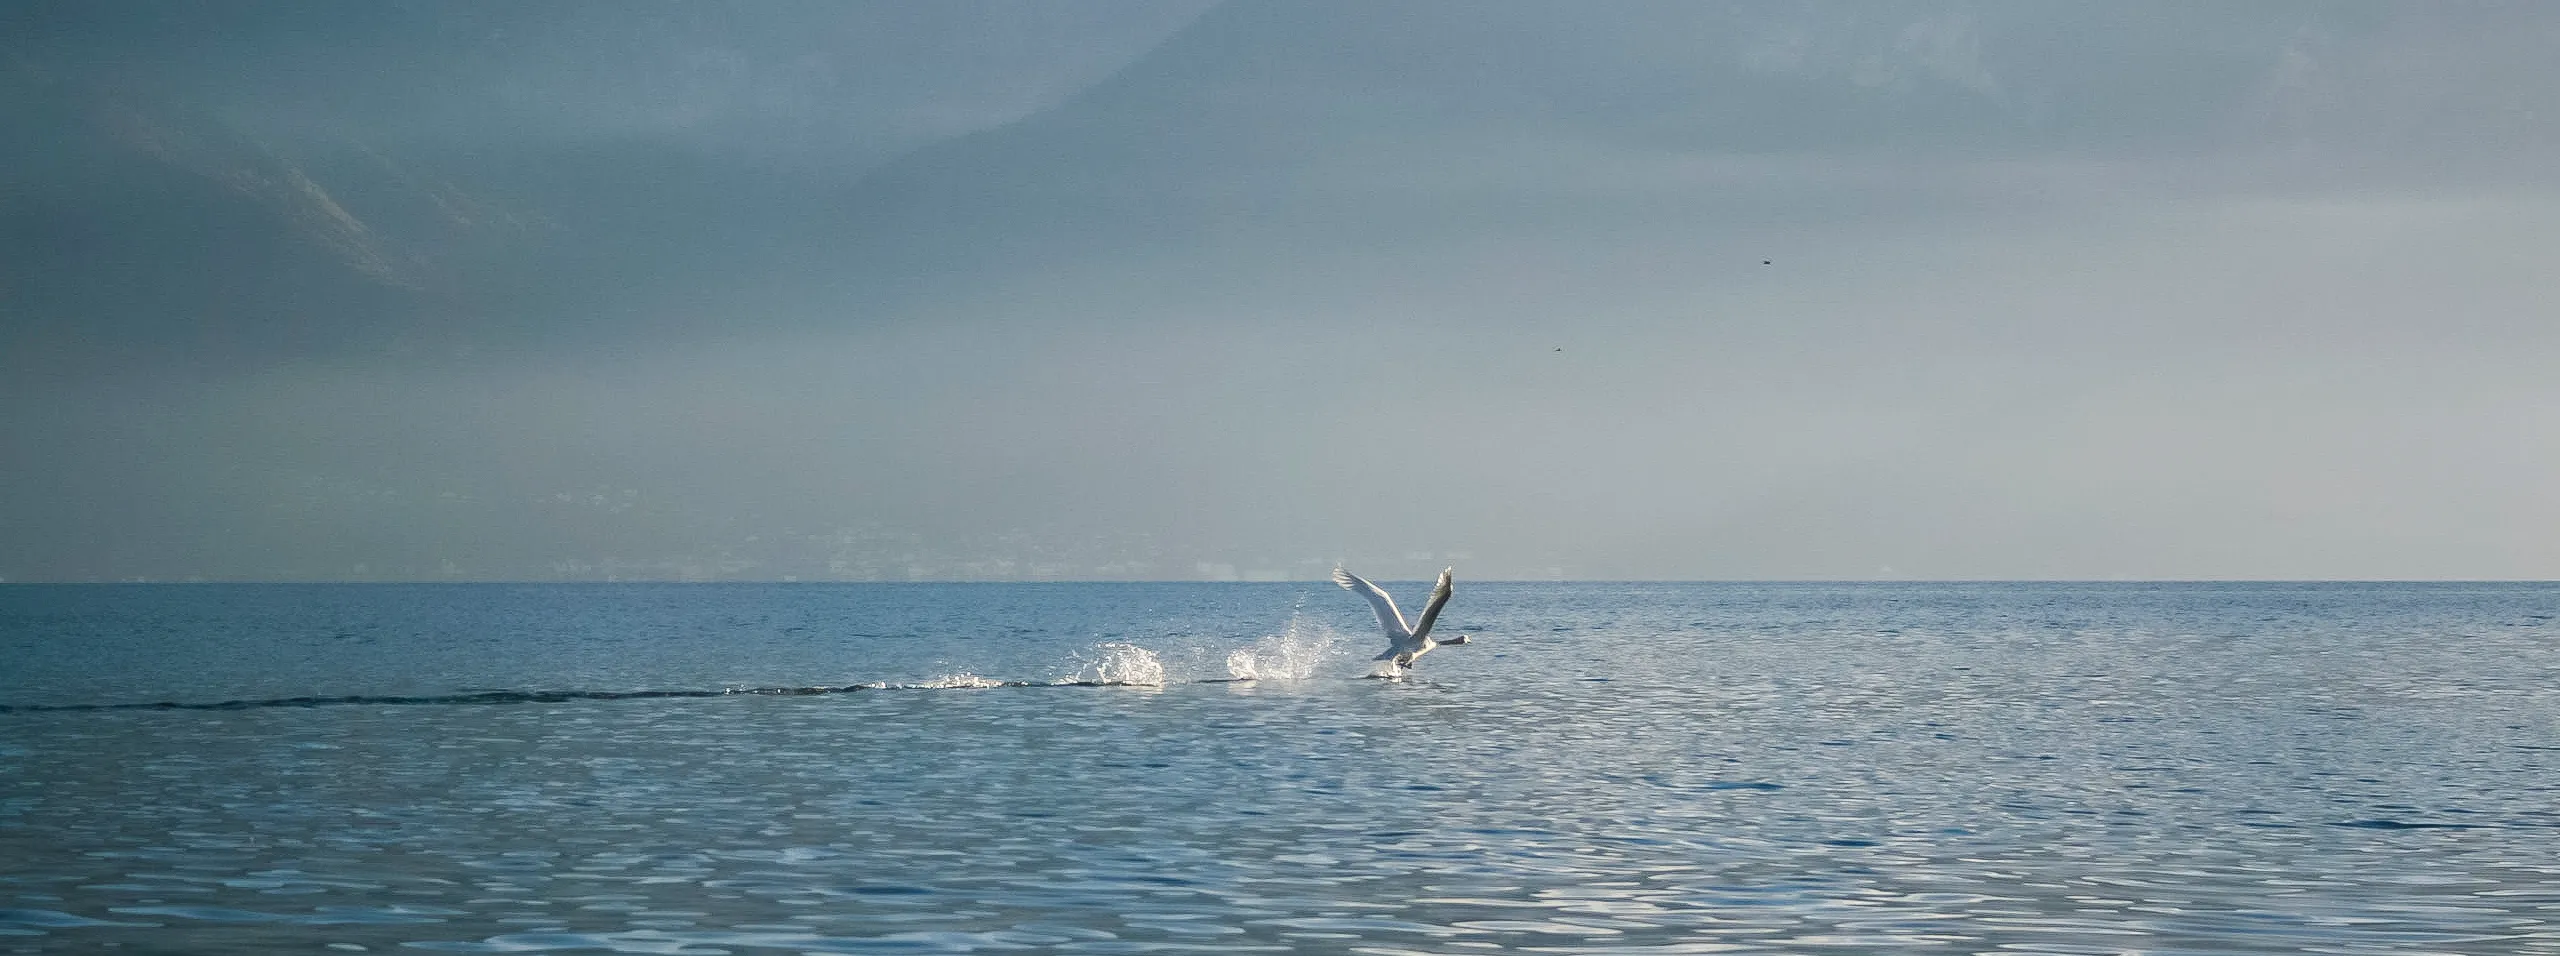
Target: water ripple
[{"x": 2046, "y": 769}]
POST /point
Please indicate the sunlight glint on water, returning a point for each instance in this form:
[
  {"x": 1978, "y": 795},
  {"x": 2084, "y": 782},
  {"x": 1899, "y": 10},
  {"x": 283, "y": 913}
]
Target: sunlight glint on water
[{"x": 1779, "y": 768}]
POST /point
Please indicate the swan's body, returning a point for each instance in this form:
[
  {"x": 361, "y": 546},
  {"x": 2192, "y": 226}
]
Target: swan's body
[{"x": 1406, "y": 643}]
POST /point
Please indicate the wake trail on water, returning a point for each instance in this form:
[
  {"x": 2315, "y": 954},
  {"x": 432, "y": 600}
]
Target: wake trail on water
[
  {"x": 469, "y": 697},
  {"x": 1299, "y": 652}
]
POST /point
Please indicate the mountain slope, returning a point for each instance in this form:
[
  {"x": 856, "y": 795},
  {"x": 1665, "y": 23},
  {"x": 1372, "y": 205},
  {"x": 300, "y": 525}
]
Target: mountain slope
[{"x": 1367, "y": 115}]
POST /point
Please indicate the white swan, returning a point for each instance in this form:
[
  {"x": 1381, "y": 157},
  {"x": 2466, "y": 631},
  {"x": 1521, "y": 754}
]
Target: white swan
[{"x": 1406, "y": 643}]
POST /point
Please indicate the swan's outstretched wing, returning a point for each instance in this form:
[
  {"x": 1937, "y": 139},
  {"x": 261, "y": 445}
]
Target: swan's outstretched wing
[
  {"x": 1389, "y": 619},
  {"x": 1431, "y": 611}
]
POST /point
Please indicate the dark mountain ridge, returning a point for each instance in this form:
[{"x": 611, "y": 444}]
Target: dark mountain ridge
[{"x": 318, "y": 180}]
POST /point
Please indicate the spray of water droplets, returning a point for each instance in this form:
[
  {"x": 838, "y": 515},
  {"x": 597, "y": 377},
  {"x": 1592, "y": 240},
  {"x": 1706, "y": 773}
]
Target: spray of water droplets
[
  {"x": 1119, "y": 663},
  {"x": 1293, "y": 654}
]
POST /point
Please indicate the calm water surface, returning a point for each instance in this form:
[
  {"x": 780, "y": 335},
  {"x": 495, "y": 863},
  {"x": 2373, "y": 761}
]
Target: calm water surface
[{"x": 1611, "y": 768}]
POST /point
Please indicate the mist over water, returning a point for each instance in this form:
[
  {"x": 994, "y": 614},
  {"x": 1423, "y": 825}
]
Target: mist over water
[
  {"x": 1183, "y": 290},
  {"x": 1607, "y": 768}
]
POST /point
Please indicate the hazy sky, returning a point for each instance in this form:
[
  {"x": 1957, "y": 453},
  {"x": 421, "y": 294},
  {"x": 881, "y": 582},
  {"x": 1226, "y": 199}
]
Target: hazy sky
[{"x": 1805, "y": 289}]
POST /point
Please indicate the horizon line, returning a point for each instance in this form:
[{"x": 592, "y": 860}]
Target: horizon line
[{"x": 533, "y": 582}]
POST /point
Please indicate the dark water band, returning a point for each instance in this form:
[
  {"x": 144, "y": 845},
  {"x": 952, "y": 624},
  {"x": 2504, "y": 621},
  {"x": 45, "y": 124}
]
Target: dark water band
[
  {"x": 474, "y": 697},
  {"x": 536, "y": 696}
]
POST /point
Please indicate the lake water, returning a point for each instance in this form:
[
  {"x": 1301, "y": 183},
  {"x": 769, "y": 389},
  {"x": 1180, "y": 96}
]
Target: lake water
[{"x": 1609, "y": 768}]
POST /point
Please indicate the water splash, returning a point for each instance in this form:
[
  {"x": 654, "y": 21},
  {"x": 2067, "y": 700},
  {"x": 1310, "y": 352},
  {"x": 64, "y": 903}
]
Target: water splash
[
  {"x": 962, "y": 680},
  {"x": 1293, "y": 654},
  {"x": 1120, "y": 664}
]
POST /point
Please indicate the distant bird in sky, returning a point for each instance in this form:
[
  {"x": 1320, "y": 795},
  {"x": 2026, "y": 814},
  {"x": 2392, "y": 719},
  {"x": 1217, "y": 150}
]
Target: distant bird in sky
[
  {"x": 1764, "y": 262},
  {"x": 1405, "y": 642}
]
